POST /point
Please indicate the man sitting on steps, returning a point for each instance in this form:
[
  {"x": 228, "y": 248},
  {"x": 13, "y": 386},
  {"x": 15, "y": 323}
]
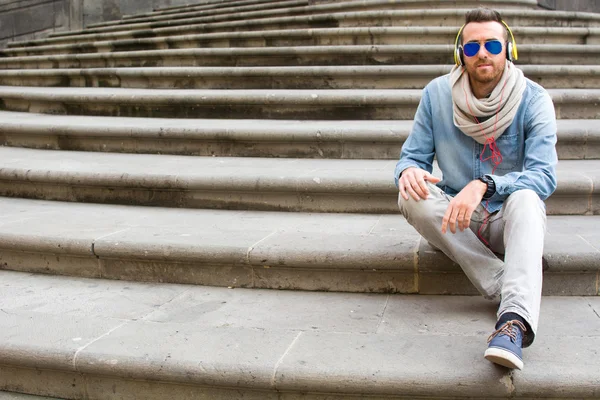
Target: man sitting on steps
[{"x": 493, "y": 132}]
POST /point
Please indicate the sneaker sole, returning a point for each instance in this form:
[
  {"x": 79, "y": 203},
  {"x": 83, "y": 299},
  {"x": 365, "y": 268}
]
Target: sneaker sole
[{"x": 503, "y": 357}]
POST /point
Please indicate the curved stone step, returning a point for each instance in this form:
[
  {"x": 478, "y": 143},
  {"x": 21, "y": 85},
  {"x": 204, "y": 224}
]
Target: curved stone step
[
  {"x": 441, "y": 17},
  {"x": 577, "y": 139},
  {"x": 294, "y": 9},
  {"x": 195, "y": 4},
  {"x": 274, "y": 250},
  {"x": 223, "y": 15},
  {"x": 299, "y": 56},
  {"x": 333, "y": 104},
  {"x": 310, "y": 37},
  {"x": 186, "y": 8},
  {"x": 308, "y": 77},
  {"x": 527, "y": 4},
  {"x": 157, "y": 341},
  {"x": 19, "y": 396},
  {"x": 174, "y": 16},
  {"x": 289, "y": 184}
]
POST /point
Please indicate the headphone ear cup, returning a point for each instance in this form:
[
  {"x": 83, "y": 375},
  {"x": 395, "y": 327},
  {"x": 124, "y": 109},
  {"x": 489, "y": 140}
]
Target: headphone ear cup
[
  {"x": 459, "y": 56},
  {"x": 509, "y": 51}
]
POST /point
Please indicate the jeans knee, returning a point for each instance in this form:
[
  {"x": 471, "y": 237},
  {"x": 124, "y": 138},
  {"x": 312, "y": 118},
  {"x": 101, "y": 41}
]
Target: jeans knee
[
  {"x": 422, "y": 210},
  {"x": 526, "y": 203}
]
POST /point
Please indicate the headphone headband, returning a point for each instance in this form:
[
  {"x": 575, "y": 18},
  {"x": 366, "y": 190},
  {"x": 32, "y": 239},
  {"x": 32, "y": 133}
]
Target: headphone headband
[{"x": 511, "y": 48}]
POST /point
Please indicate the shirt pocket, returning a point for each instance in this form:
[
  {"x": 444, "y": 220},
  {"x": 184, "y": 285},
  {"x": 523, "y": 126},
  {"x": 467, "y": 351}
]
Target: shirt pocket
[{"x": 510, "y": 148}]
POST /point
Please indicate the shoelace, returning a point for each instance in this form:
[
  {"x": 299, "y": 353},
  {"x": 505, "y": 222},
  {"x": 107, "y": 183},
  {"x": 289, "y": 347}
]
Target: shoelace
[{"x": 507, "y": 329}]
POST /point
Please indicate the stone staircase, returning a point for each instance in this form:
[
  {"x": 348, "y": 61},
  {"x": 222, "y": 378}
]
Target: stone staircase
[{"x": 152, "y": 165}]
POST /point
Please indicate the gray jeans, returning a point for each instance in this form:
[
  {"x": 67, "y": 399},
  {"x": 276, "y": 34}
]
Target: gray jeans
[{"x": 517, "y": 231}]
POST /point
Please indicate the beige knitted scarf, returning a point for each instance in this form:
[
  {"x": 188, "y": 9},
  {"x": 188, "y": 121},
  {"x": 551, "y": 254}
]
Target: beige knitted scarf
[{"x": 500, "y": 107}]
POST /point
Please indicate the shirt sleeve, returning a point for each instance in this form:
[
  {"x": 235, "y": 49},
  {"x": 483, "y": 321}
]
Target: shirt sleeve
[
  {"x": 540, "y": 159},
  {"x": 418, "y": 149}
]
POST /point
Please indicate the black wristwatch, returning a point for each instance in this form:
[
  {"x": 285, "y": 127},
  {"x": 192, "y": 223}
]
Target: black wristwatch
[{"x": 491, "y": 186}]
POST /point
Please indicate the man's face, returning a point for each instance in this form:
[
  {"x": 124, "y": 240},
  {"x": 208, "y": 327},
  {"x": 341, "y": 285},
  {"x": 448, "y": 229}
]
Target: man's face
[{"x": 485, "y": 67}]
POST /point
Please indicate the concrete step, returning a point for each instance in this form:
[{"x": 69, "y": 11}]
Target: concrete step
[
  {"x": 298, "y": 56},
  {"x": 269, "y": 250},
  {"x": 155, "y": 341},
  {"x": 577, "y": 139},
  {"x": 183, "y": 13},
  {"x": 332, "y": 104},
  {"x": 224, "y": 15},
  {"x": 292, "y": 9},
  {"x": 173, "y": 16},
  {"x": 308, "y": 77},
  {"x": 195, "y": 5},
  {"x": 19, "y": 396},
  {"x": 309, "y": 37},
  {"x": 432, "y": 17},
  {"x": 242, "y": 183}
]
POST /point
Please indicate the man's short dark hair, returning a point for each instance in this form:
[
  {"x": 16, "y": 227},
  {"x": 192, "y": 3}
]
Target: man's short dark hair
[{"x": 482, "y": 14}]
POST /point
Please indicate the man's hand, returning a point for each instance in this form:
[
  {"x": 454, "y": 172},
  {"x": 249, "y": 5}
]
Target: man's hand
[
  {"x": 462, "y": 206},
  {"x": 412, "y": 182}
]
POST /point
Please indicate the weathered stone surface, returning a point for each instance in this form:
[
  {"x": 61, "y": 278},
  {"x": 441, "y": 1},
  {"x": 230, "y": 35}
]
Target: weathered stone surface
[
  {"x": 291, "y": 342},
  {"x": 382, "y": 36},
  {"x": 258, "y": 103},
  {"x": 42, "y": 382},
  {"x": 577, "y": 139},
  {"x": 118, "y": 299},
  {"x": 364, "y": 253},
  {"x": 215, "y": 307},
  {"x": 79, "y": 338},
  {"x": 17, "y": 396},
  {"x": 401, "y": 365},
  {"x": 198, "y": 11},
  {"x": 278, "y": 20},
  {"x": 237, "y": 183},
  {"x": 280, "y": 78}
]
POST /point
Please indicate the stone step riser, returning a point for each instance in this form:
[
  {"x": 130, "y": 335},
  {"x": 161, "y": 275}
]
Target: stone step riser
[
  {"x": 363, "y": 253},
  {"x": 298, "y": 9},
  {"x": 425, "y": 4},
  {"x": 205, "y": 3},
  {"x": 580, "y": 147},
  {"x": 271, "y": 12},
  {"x": 454, "y": 18},
  {"x": 434, "y": 274},
  {"x": 176, "y": 11},
  {"x": 18, "y": 396},
  {"x": 296, "y": 56},
  {"x": 190, "y": 14},
  {"x": 342, "y": 37},
  {"x": 569, "y": 199},
  {"x": 259, "y": 107},
  {"x": 332, "y": 78}
]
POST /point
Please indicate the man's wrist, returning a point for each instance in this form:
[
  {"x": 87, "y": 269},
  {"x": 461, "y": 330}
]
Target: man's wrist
[{"x": 490, "y": 186}]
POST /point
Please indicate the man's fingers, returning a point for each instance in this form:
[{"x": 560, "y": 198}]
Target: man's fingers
[
  {"x": 415, "y": 183},
  {"x": 423, "y": 186},
  {"x": 446, "y": 219},
  {"x": 459, "y": 219},
  {"x": 403, "y": 191},
  {"x": 452, "y": 220},
  {"x": 431, "y": 178},
  {"x": 413, "y": 194},
  {"x": 462, "y": 220},
  {"x": 467, "y": 219}
]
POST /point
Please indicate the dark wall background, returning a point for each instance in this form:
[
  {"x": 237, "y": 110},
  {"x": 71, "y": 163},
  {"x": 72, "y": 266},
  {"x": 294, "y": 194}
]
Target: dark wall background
[
  {"x": 571, "y": 5},
  {"x": 27, "y": 19}
]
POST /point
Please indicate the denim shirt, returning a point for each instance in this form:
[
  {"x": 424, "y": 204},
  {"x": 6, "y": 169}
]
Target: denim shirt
[{"x": 527, "y": 145}]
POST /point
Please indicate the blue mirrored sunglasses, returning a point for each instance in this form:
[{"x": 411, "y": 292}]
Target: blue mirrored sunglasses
[{"x": 493, "y": 47}]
